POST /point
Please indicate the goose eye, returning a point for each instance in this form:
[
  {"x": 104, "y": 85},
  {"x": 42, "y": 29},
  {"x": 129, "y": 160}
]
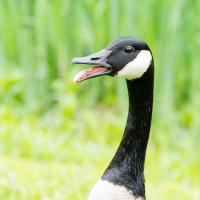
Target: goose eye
[{"x": 129, "y": 49}]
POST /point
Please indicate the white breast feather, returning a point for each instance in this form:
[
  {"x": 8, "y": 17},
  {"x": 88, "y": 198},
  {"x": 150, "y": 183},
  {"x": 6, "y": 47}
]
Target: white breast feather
[
  {"x": 137, "y": 67},
  {"x": 104, "y": 190}
]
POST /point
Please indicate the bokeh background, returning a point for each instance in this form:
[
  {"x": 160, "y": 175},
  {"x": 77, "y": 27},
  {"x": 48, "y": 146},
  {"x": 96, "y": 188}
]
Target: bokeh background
[{"x": 56, "y": 137}]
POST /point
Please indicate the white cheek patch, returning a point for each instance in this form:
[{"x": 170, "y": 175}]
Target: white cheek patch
[{"x": 137, "y": 67}]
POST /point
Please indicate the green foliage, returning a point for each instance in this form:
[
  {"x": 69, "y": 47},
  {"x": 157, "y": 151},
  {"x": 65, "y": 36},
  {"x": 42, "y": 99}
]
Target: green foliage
[
  {"x": 56, "y": 138},
  {"x": 39, "y": 38}
]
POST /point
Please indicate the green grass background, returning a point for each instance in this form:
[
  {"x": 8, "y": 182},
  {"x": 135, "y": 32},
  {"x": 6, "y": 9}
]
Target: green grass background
[{"x": 56, "y": 137}]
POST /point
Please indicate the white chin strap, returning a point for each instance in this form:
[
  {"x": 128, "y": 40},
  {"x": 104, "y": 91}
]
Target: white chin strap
[{"x": 137, "y": 67}]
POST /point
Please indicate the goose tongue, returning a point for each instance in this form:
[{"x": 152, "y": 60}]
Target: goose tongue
[{"x": 90, "y": 73}]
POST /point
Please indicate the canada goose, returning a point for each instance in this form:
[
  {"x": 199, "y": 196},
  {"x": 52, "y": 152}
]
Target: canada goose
[{"x": 131, "y": 59}]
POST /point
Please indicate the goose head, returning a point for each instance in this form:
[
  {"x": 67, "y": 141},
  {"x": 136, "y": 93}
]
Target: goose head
[{"x": 125, "y": 57}]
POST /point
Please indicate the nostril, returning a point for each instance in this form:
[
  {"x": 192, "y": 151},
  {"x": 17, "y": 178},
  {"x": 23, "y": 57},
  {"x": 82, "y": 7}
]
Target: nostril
[{"x": 95, "y": 58}]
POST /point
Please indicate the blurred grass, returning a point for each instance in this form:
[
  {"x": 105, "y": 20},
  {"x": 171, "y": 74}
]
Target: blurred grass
[{"x": 52, "y": 144}]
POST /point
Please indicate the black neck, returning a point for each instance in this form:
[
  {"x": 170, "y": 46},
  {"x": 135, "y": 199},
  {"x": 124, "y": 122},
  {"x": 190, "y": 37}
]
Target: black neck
[{"x": 127, "y": 166}]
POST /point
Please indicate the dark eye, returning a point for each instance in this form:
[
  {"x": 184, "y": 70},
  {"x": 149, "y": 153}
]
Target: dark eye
[{"x": 129, "y": 49}]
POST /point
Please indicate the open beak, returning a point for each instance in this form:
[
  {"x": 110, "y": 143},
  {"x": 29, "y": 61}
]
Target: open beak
[{"x": 99, "y": 65}]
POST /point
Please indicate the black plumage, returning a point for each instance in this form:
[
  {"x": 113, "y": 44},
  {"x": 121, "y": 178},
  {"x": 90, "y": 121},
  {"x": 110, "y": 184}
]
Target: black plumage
[{"x": 127, "y": 167}]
